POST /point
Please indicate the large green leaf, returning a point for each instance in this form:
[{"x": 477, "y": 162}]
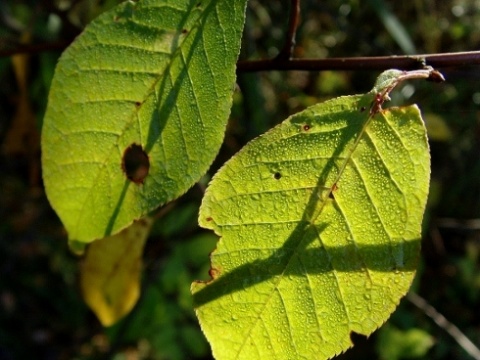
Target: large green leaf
[
  {"x": 155, "y": 76},
  {"x": 320, "y": 229}
]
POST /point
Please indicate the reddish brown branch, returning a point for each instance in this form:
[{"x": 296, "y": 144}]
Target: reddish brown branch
[
  {"x": 32, "y": 48},
  {"x": 287, "y": 50},
  {"x": 403, "y": 62},
  {"x": 364, "y": 63}
]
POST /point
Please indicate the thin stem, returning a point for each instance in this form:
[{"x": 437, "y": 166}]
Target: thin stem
[
  {"x": 286, "y": 52},
  {"x": 395, "y": 78},
  {"x": 446, "y": 325},
  {"x": 34, "y": 48},
  {"x": 405, "y": 62},
  {"x": 450, "y": 223}
]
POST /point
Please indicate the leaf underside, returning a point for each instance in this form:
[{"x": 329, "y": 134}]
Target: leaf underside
[
  {"x": 156, "y": 74},
  {"x": 320, "y": 233}
]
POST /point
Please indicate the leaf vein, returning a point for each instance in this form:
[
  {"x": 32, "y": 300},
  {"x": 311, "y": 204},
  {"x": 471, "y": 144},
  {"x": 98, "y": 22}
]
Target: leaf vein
[
  {"x": 102, "y": 45},
  {"x": 371, "y": 200}
]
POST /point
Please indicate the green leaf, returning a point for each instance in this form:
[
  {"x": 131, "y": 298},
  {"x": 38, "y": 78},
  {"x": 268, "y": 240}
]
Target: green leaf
[
  {"x": 395, "y": 344},
  {"x": 153, "y": 80},
  {"x": 320, "y": 230}
]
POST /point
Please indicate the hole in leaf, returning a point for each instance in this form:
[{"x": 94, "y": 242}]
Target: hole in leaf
[
  {"x": 135, "y": 164},
  {"x": 277, "y": 176}
]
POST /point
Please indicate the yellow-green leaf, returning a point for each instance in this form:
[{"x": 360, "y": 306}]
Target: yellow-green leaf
[
  {"x": 111, "y": 271},
  {"x": 320, "y": 224},
  {"x": 137, "y": 110}
]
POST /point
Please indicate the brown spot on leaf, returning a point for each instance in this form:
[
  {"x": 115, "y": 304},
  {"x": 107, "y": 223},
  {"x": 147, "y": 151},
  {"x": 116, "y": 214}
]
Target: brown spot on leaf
[
  {"x": 213, "y": 273},
  {"x": 135, "y": 164},
  {"x": 209, "y": 218},
  {"x": 331, "y": 194},
  {"x": 184, "y": 31},
  {"x": 277, "y": 176},
  {"x": 306, "y": 127},
  {"x": 377, "y": 103}
]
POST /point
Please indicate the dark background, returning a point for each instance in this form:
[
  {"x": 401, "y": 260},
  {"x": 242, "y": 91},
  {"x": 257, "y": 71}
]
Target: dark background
[{"x": 42, "y": 315}]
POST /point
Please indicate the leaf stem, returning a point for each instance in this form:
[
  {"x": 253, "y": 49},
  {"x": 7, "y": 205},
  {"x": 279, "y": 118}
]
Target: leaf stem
[
  {"x": 6, "y": 51},
  {"x": 389, "y": 79}
]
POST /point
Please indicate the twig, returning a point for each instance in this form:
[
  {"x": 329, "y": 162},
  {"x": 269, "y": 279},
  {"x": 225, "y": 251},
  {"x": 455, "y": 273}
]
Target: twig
[
  {"x": 446, "y": 325},
  {"x": 32, "y": 48},
  {"x": 287, "y": 50},
  {"x": 404, "y": 62},
  {"x": 450, "y": 223}
]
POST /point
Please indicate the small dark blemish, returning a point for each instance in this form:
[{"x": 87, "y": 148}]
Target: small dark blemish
[
  {"x": 116, "y": 18},
  {"x": 138, "y": 103},
  {"x": 213, "y": 273},
  {"x": 199, "y": 4},
  {"x": 209, "y": 218},
  {"x": 135, "y": 164},
  {"x": 331, "y": 194},
  {"x": 277, "y": 176},
  {"x": 363, "y": 108},
  {"x": 306, "y": 127},
  {"x": 184, "y": 31}
]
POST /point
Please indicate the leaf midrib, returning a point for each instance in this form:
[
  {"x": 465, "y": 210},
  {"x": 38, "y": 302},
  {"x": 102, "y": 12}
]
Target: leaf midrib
[{"x": 309, "y": 223}]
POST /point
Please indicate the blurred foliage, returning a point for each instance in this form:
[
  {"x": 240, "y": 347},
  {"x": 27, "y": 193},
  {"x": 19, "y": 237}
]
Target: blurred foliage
[
  {"x": 42, "y": 315},
  {"x": 394, "y": 344}
]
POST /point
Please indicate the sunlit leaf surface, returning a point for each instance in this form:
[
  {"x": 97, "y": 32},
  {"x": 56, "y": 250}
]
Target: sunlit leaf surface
[
  {"x": 320, "y": 231},
  {"x": 137, "y": 110}
]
